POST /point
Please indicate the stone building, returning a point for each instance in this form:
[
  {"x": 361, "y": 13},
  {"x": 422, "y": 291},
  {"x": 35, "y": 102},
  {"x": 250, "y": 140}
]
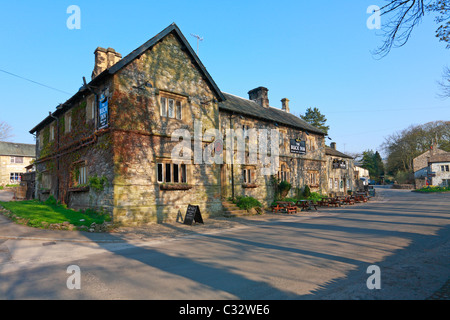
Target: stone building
[
  {"x": 14, "y": 158},
  {"x": 432, "y": 168},
  {"x": 137, "y": 140},
  {"x": 340, "y": 171}
]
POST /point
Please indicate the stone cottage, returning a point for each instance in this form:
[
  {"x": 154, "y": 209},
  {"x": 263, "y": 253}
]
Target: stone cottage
[
  {"x": 115, "y": 145},
  {"x": 14, "y": 158},
  {"x": 340, "y": 171},
  {"x": 431, "y": 168}
]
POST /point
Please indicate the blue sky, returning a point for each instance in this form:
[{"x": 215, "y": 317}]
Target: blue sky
[{"x": 315, "y": 53}]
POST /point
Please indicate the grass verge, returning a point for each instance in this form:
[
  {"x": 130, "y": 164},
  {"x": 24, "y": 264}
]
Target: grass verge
[
  {"x": 429, "y": 189},
  {"x": 37, "y": 214}
]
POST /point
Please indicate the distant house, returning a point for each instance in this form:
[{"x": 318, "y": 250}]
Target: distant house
[
  {"x": 14, "y": 158},
  {"x": 339, "y": 171},
  {"x": 432, "y": 168}
]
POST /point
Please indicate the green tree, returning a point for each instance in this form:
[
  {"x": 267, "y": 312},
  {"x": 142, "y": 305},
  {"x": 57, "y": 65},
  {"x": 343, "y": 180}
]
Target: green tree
[
  {"x": 316, "y": 119},
  {"x": 402, "y": 147},
  {"x": 372, "y": 161}
]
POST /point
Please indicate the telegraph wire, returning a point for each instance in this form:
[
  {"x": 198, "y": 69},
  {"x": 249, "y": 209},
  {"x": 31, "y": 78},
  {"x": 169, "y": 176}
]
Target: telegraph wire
[{"x": 35, "y": 82}]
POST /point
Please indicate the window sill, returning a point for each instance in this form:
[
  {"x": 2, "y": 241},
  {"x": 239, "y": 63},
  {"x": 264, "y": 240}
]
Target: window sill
[
  {"x": 249, "y": 185},
  {"x": 78, "y": 189},
  {"x": 180, "y": 186}
]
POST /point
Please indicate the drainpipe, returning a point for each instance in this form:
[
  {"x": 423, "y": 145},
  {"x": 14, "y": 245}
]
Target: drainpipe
[
  {"x": 232, "y": 161},
  {"x": 57, "y": 155}
]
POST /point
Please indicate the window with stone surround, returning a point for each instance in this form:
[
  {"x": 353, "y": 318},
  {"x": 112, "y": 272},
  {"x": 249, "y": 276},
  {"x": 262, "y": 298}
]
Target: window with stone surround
[
  {"x": 171, "y": 106},
  {"x": 16, "y": 159},
  {"x": 68, "y": 122},
  {"x": 283, "y": 173},
  {"x": 168, "y": 172},
  {"x": 313, "y": 177},
  {"x": 78, "y": 173},
  {"x": 247, "y": 175},
  {"x": 52, "y": 132},
  {"x": 14, "y": 177}
]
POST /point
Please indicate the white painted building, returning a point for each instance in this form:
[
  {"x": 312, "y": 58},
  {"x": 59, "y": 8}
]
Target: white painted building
[{"x": 439, "y": 170}]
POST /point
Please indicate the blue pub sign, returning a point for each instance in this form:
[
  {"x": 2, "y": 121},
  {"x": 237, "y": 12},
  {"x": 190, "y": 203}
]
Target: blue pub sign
[{"x": 103, "y": 116}]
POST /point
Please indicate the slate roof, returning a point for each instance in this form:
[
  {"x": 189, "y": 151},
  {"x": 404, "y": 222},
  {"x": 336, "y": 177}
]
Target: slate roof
[
  {"x": 333, "y": 152},
  {"x": 17, "y": 149},
  {"x": 173, "y": 28},
  {"x": 227, "y": 102},
  {"x": 444, "y": 157},
  {"x": 251, "y": 108}
]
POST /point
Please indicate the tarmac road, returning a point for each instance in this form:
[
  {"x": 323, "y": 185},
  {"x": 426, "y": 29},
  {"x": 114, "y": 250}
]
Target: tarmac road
[{"x": 322, "y": 255}]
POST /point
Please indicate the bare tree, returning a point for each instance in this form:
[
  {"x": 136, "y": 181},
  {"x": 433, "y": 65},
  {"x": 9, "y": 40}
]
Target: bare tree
[
  {"x": 444, "y": 84},
  {"x": 5, "y": 131},
  {"x": 402, "y": 17}
]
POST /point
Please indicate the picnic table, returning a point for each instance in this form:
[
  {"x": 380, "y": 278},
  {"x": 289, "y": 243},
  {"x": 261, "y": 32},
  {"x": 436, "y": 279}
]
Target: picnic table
[
  {"x": 306, "y": 204},
  {"x": 348, "y": 200},
  {"x": 360, "y": 197},
  {"x": 324, "y": 202},
  {"x": 284, "y": 206},
  {"x": 334, "y": 201}
]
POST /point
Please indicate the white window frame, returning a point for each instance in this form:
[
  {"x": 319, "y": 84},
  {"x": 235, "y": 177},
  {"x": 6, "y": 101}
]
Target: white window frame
[
  {"x": 163, "y": 110},
  {"x": 82, "y": 177},
  {"x": 171, "y": 108},
  {"x": 68, "y": 122}
]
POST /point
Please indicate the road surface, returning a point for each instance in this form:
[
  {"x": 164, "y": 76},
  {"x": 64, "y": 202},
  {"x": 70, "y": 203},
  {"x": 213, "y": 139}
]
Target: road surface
[{"x": 326, "y": 256}]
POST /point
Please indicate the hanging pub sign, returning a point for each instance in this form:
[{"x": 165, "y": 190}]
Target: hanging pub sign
[
  {"x": 103, "y": 115},
  {"x": 298, "y": 146},
  {"x": 339, "y": 164}
]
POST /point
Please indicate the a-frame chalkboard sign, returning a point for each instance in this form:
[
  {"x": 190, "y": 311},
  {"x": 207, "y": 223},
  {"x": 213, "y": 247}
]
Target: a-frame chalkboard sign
[{"x": 193, "y": 214}]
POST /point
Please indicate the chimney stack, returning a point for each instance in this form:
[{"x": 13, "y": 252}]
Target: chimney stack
[
  {"x": 285, "y": 105},
  {"x": 260, "y": 96},
  {"x": 333, "y": 145},
  {"x": 104, "y": 59}
]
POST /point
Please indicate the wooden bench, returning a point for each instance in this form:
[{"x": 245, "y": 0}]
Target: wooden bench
[
  {"x": 324, "y": 202},
  {"x": 306, "y": 205},
  {"x": 349, "y": 200},
  {"x": 335, "y": 202},
  {"x": 284, "y": 206}
]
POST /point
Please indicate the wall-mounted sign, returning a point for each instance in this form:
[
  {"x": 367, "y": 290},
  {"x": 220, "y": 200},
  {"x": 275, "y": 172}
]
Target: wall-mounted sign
[
  {"x": 339, "y": 164},
  {"x": 297, "y": 146},
  {"x": 103, "y": 115}
]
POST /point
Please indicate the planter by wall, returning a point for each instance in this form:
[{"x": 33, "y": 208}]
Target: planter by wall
[{"x": 174, "y": 187}]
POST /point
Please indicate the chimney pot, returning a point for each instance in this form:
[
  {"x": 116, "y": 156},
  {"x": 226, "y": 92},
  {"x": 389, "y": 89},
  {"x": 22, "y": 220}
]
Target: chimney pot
[
  {"x": 260, "y": 96},
  {"x": 285, "y": 104},
  {"x": 104, "y": 59},
  {"x": 333, "y": 145}
]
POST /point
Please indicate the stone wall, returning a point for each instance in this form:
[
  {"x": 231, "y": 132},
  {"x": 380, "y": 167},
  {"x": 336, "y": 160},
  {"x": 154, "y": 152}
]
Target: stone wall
[
  {"x": 142, "y": 136},
  {"x": 297, "y": 168}
]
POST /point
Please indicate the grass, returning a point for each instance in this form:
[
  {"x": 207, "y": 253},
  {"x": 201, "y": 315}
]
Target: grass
[
  {"x": 40, "y": 215},
  {"x": 429, "y": 189}
]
